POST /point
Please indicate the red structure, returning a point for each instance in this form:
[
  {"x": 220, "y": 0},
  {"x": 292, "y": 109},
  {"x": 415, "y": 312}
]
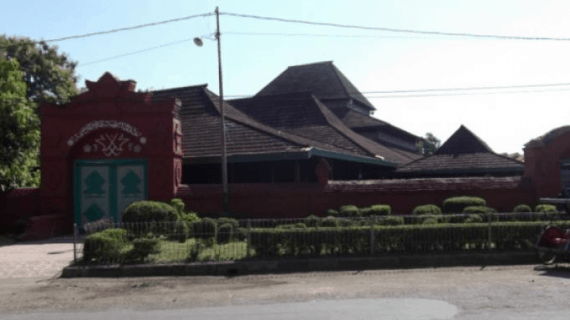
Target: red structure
[
  {"x": 547, "y": 162},
  {"x": 108, "y": 126}
]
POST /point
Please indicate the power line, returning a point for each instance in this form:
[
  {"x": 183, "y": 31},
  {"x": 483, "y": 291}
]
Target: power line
[
  {"x": 391, "y": 29},
  {"x": 134, "y": 52},
  {"x": 323, "y": 35},
  {"x": 462, "y": 94},
  {"x": 152, "y": 24}
]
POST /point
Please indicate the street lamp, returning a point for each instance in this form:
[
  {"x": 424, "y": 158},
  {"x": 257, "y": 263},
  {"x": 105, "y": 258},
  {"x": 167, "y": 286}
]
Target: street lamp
[{"x": 199, "y": 43}]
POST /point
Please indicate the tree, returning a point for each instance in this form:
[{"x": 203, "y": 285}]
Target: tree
[
  {"x": 429, "y": 144},
  {"x": 19, "y": 130},
  {"x": 49, "y": 75}
]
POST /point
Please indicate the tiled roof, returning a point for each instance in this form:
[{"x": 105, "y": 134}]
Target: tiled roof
[
  {"x": 302, "y": 114},
  {"x": 201, "y": 121},
  {"x": 463, "y": 153},
  {"x": 323, "y": 79},
  {"x": 427, "y": 184},
  {"x": 357, "y": 121}
]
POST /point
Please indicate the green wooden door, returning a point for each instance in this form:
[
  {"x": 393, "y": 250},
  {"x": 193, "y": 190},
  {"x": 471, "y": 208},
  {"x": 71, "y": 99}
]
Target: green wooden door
[{"x": 104, "y": 188}]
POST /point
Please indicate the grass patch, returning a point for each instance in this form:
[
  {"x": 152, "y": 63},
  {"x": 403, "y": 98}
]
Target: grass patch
[{"x": 172, "y": 251}]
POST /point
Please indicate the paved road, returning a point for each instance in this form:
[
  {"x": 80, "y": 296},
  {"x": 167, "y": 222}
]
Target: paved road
[{"x": 30, "y": 289}]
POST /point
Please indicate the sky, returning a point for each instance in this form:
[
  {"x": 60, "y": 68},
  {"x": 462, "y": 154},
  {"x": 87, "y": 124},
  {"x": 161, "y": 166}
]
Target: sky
[{"x": 373, "y": 60}]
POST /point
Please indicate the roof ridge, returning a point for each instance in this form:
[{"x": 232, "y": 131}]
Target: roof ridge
[
  {"x": 311, "y": 64},
  {"x": 204, "y": 85},
  {"x": 457, "y": 138}
]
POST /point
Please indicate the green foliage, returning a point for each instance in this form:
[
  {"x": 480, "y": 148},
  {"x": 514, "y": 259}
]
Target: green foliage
[
  {"x": 49, "y": 75},
  {"x": 380, "y": 210},
  {"x": 311, "y": 221},
  {"x": 477, "y": 209},
  {"x": 104, "y": 246},
  {"x": 225, "y": 233},
  {"x": 429, "y": 220},
  {"x": 231, "y": 221},
  {"x": 142, "y": 248},
  {"x": 457, "y": 204},
  {"x": 19, "y": 129},
  {"x": 522, "y": 208},
  {"x": 329, "y": 222},
  {"x": 204, "y": 229},
  {"x": 429, "y": 144},
  {"x": 473, "y": 218},
  {"x": 298, "y": 225},
  {"x": 545, "y": 208},
  {"x": 179, "y": 205},
  {"x": 189, "y": 217},
  {"x": 430, "y": 209},
  {"x": 149, "y": 211},
  {"x": 349, "y": 211},
  {"x": 365, "y": 212},
  {"x": 391, "y": 221},
  {"x": 331, "y": 213},
  {"x": 181, "y": 232}
]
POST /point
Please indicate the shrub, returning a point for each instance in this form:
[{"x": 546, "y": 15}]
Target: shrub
[
  {"x": 522, "y": 208},
  {"x": 104, "y": 246},
  {"x": 231, "y": 221},
  {"x": 149, "y": 211},
  {"x": 473, "y": 218},
  {"x": 430, "y": 209},
  {"x": 225, "y": 233},
  {"x": 142, "y": 248},
  {"x": 380, "y": 210},
  {"x": 392, "y": 221},
  {"x": 348, "y": 211},
  {"x": 329, "y": 222},
  {"x": 181, "y": 232},
  {"x": 331, "y": 213},
  {"x": 477, "y": 209},
  {"x": 311, "y": 221},
  {"x": 457, "y": 204},
  {"x": 545, "y": 208},
  {"x": 190, "y": 217},
  {"x": 204, "y": 229},
  {"x": 179, "y": 205},
  {"x": 365, "y": 212},
  {"x": 299, "y": 225},
  {"x": 429, "y": 220}
]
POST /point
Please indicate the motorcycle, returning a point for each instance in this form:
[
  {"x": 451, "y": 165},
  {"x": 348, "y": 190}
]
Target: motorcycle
[{"x": 553, "y": 243}]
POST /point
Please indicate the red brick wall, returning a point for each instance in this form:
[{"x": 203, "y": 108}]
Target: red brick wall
[
  {"x": 301, "y": 200},
  {"x": 18, "y": 204}
]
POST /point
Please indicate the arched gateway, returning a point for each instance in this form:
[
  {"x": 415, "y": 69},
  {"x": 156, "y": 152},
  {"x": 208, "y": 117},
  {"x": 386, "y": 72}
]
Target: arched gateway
[{"x": 106, "y": 148}]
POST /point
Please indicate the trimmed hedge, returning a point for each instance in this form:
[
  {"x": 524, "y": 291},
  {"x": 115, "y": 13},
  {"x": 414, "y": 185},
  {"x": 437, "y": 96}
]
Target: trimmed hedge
[
  {"x": 349, "y": 211},
  {"x": 428, "y": 238},
  {"x": 522, "y": 208},
  {"x": 104, "y": 246},
  {"x": 429, "y": 209},
  {"x": 149, "y": 211},
  {"x": 545, "y": 208},
  {"x": 457, "y": 204},
  {"x": 478, "y": 209},
  {"x": 380, "y": 210},
  {"x": 331, "y": 213}
]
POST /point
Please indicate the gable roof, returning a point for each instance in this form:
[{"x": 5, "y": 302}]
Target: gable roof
[
  {"x": 302, "y": 114},
  {"x": 323, "y": 79},
  {"x": 357, "y": 121},
  {"x": 463, "y": 153},
  {"x": 201, "y": 122}
]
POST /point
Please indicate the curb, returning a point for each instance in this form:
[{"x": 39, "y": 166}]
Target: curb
[{"x": 234, "y": 268}]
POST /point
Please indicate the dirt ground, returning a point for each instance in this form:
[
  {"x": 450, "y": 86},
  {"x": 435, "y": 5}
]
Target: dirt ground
[{"x": 473, "y": 290}]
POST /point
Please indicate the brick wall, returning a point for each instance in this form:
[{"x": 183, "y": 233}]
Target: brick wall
[{"x": 18, "y": 204}]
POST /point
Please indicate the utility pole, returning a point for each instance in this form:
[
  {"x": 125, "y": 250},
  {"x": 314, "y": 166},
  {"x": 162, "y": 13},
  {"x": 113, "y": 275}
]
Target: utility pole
[{"x": 225, "y": 191}]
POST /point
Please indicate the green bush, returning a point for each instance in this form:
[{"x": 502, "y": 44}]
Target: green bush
[
  {"x": 231, "y": 221},
  {"x": 429, "y": 220},
  {"x": 311, "y": 221},
  {"x": 429, "y": 209},
  {"x": 331, "y": 213},
  {"x": 380, "y": 210},
  {"x": 457, "y": 204},
  {"x": 179, "y": 205},
  {"x": 104, "y": 246},
  {"x": 392, "y": 221},
  {"x": 149, "y": 211},
  {"x": 545, "y": 208},
  {"x": 189, "y": 217},
  {"x": 329, "y": 222},
  {"x": 181, "y": 232},
  {"x": 225, "y": 233},
  {"x": 299, "y": 225},
  {"x": 473, "y": 218},
  {"x": 522, "y": 208},
  {"x": 204, "y": 229},
  {"x": 477, "y": 209},
  {"x": 142, "y": 248},
  {"x": 365, "y": 212},
  {"x": 348, "y": 211}
]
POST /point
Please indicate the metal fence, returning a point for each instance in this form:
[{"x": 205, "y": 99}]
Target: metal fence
[{"x": 225, "y": 239}]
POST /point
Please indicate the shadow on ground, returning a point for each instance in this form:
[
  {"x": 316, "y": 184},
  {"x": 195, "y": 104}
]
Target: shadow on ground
[{"x": 561, "y": 270}]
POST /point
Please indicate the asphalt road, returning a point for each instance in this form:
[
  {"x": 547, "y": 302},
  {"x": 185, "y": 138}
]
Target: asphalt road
[{"x": 520, "y": 292}]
